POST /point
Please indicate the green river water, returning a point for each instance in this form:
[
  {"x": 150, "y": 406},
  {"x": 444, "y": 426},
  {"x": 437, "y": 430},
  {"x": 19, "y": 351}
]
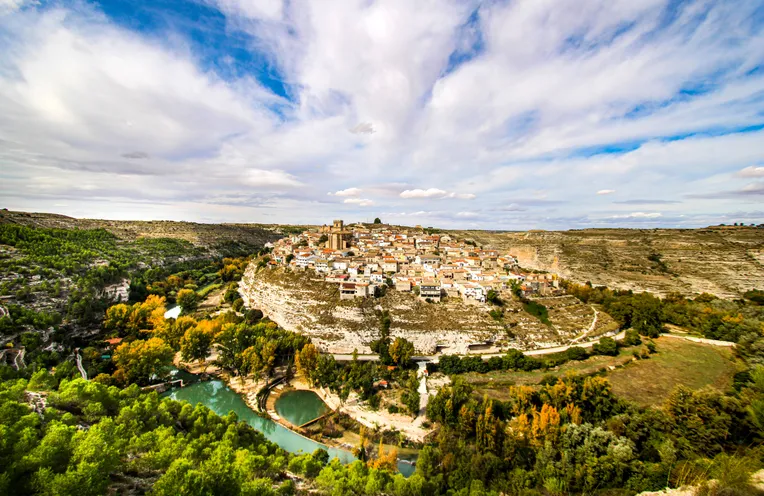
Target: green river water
[
  {"x": 300, "y": 406},
  {"x": 219, "y": 398}
]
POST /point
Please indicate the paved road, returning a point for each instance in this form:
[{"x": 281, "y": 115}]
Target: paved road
[
  {"x": 485, "y": 356},
  {"x": 20, "y": 359},
  {"x": 79, "y": 364}
]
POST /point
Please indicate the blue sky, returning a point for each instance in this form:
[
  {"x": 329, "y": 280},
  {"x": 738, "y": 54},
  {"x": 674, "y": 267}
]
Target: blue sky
[{"x": 518, "y": 114}]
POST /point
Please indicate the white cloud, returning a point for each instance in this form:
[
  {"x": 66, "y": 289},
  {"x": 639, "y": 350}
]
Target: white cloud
[
  {"x": 751, "y": 171},
  {"x": 347, "y": 192},
  {"x": 270, "y": 179},
  {"x": 9, "y": 6},
  {"x": 435, "y": 193},
  {"x": 361, "y": 202},
  {"x": 142, "y": 118},
  {"x": 606, "y": 192},
  {"x": 363, "y": 128}
]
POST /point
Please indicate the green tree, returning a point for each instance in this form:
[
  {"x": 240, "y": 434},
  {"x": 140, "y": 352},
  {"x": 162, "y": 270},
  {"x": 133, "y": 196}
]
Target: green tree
[
  {"x": 411, "y": 396},
  {"x": 401, "y": 351},
  {"x": 577, "y": 353},
  {"x": 606, "y": 346},
  {"x": 188, "y": 300},
  {"x": 377, "y": 220},
  {"x": 196, "y": 343},
  {"x": 307, "y": 362},
  {"x": 632, "y": 338}
]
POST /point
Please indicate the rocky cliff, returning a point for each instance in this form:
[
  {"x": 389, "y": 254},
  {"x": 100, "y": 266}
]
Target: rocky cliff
[
  {"x": 725, "y": 261},
  {"x": 301, "y": 302}
]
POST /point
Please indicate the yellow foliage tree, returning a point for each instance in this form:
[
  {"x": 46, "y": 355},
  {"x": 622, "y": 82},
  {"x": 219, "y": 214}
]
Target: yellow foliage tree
[
  {"x": 573, "y": 413},
  {"x": 307, "y": 362},
  {"x": 385, "y": 460},
  {"x": 546, "y": 425},
  {"x": 520, "y": 427},
  {"x": 139, "y": 361}
]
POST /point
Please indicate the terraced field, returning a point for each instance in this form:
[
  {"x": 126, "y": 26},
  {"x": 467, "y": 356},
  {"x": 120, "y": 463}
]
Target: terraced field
[{"x": 300, "y": 301}]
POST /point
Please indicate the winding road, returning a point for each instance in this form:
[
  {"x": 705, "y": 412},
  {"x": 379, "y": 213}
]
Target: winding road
[
  {"x": 79, "y": 364},
  {"x": 591, "y": 327},
  {"x": 20, "y": 359},
  {"x": 344, "y": 357}
]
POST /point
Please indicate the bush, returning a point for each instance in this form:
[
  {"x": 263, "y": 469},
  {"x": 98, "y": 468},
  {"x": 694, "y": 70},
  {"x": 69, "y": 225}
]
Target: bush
[
  {"x": 606, "y": 346},
  {"x": 577, "y": 353},
  {"x": 393, "y": 409},
  {"x": 548, "y": 380},
  {"x": 537, "y": 310},
  {"x": 374, "y": 402},
  {"x": 632, "y": 338}
]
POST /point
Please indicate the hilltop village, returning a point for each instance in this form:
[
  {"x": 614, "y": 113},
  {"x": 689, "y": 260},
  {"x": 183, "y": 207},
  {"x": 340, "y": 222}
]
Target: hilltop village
[{"x": 362, "y": 258}]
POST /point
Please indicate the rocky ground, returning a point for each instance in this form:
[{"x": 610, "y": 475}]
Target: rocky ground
[
  {"x": 301, "y": 302},
  {"x": 725, "y": 261}
]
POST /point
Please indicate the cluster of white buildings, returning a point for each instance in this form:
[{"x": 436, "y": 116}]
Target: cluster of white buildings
[{"x": 432, "y": 265}]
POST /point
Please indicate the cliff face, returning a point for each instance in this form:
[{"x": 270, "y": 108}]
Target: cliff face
[
  {"x": 723, "y": 261},
  {"x": 300, "y": 302}
]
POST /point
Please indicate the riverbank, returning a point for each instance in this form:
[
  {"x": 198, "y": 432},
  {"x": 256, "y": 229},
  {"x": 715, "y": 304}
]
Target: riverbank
[
  {"x": 245, "y": 393},
  {"x": 348, "y": 438},
  {"x": 380, "y": 420}
]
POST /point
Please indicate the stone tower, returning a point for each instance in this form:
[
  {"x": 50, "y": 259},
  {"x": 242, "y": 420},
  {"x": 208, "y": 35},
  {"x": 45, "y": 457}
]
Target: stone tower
[{"x": 339, "y": 238}]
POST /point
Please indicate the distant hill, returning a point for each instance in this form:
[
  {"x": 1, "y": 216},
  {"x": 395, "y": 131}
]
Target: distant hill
[
  {"x": 206, "y": 235},
  {"x": 725, "y": 261}
]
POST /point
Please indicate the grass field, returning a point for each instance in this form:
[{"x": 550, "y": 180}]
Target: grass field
[
  {"x": 207, "y": 289},
  {"x": 646, "y": 382},
  {"x": 695, "y": 365}
]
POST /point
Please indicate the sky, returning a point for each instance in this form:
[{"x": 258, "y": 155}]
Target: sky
[{"x": 510, "y": 115}]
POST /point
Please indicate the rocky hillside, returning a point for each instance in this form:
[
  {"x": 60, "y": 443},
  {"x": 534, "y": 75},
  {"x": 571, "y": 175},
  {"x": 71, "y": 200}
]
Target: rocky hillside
[
  {"x": 300, "y": 302},
  {"x": 206, "y": 235},
  {"x": 725, "y": 261}
]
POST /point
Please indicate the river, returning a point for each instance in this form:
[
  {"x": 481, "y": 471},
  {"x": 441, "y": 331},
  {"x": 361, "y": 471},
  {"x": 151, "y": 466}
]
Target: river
[
  {"x": 299, "y": 407},
  {"x": 219, "y": 398}
]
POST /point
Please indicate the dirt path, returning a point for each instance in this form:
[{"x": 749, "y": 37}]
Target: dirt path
[
  {"x": 591, "y": 327},
  {"x": 714, "y": 342}
]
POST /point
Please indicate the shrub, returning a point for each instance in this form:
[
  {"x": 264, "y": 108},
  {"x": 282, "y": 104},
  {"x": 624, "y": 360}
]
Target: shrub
[
  {"x": 632, "y": 338},
  {"x": 577, "y": 353},
  {"x": 374, "y": 402},
  {"x": 537, "y": 310},
  {"x": 606, "y": 346}
]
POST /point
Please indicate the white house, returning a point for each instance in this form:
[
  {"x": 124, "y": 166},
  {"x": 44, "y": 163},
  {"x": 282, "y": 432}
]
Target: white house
[{"x": 321, "y": 265}]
